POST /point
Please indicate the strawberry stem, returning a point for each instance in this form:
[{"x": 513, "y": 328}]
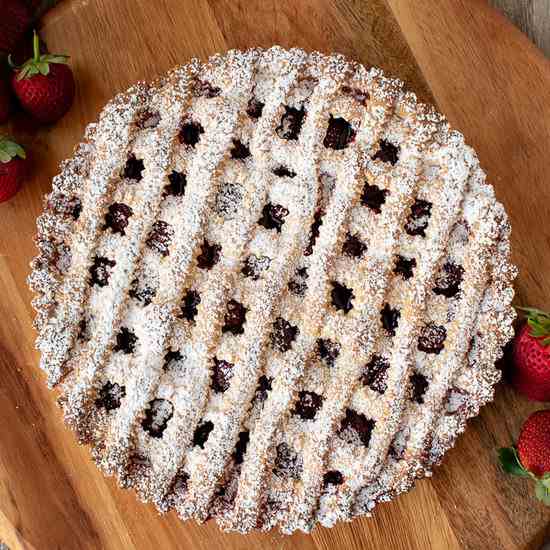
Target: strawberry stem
[{"x": 36, "y": 47}]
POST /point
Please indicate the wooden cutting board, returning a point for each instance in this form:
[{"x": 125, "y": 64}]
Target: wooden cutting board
[{"x": 460, "y": 54}]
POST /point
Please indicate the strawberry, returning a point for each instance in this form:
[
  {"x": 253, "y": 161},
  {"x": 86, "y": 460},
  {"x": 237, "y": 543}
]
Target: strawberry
[
  {"x": 6, "y": 103},
  {"x": 531, "y": 457},
  {"x": 44, "y": 85},
  {"x": 531, "y": 370},
  {"x": 13, "y": 168},
  {"x": 15, "y": 20}
]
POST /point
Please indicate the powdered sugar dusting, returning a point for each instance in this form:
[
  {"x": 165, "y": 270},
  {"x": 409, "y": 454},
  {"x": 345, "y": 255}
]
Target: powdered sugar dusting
[{"x": 274, "y": 287}]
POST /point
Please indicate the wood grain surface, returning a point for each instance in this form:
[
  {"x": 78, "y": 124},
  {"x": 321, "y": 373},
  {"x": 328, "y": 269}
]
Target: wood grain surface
[
  {"x": 492, "y": 83},
  {"x": 531, "y": 16}
]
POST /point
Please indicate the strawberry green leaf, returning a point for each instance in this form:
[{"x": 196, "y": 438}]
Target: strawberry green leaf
[
  {"x": 542, "y": 493},
  {"x": 44, "y": 68},
  {"x": 55, "y": 58},
  {"x": 510, "y": 463},
  {"x": 9, "y": 150},
  {"x": 545, "y": 480},
  {"x": 539, "y": 323}
]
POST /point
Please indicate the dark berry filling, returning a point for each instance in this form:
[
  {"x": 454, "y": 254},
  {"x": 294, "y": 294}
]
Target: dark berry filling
[
  {"x": 417, "y": 221},
  {"x": 254, "y": 266},
  {"x": 100, "y": 271},
  {"x": 273, "y": 216},
  {"x": 222, "y": 371},
  {"x": 284, "y": 172},
  {"x": 133, "y": 168},
  {"x": 202, "y": 88},
  {"x": 157, "y": 415},
  {"x": 356, "y": 426},
  {"x": 148, "y": 119},
  {"x": 362, "y": 96},
  {"x": 353, "y": 246},
  {"x": 117, "y": 217},
  {"x": 110, "y": 395},
  {"x": 342, "y": 297},
  {"x": 240, "y": 448},
  {"x": 200, "y": 437},
  {"x": 328, "y": 351},
  {"x": 314, "y": 231},
  {"x": 375, "y": 375},
  {"x": 291, "y": 123},
  {"x": 235, "y": 317},
  {"x": 84, "y": 332},
  {"x": 287, "y": 462},
  {"x": 228, "y": 199},
  {"x": 390, "y": 319},
  {"x": 404, "y": 267},
  {"x": 418, "y": 387},
  {"x": 298, "y": 285},
  {"x": 339, "y": 133},
  {"x": 387, "y": 152},
  {"x": 283, "y": 334},
  {"x": 176, "y": 187},
  {"x": 180, "y": 483},
  {"x": 432, "y": 338},
  {"x": 160, "y": 237},
  {"x": 254, "y": 108},
  {"x": 333, "y": 477},
  {"x": 264, "y": 385},
  {"x": 449, "y": 280},
  {"x": 190, "y": 133},
  {"x": 239, "y": 150},
  {"x": 172, "y": 361},
  {"x": 191, "y": 300},
  {"x": 141, "y": 292},
  {"x": 76, "y": 210},
  {"x": 209, "y": 256},
  {"x": 125, "y": 341},
  {"x": 67, "y": 206},
  {"x": 374, "y": 197},
  {"x": 307, "y": 405}
]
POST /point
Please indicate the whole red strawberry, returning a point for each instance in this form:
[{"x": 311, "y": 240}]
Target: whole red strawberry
[
  {"x": 44, "y": 85},
  {"x": 13, "y": 168},
  {"x": 6, "y": 103},
  {"x": 531, "y": 372},
  {"x": 531, "y": 457},
  {"x": 15, "y": 19}
]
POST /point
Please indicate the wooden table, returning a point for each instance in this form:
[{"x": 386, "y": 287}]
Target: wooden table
[
  {"x": 493, "y": 85},
  {"x": 531, "y": 16}
]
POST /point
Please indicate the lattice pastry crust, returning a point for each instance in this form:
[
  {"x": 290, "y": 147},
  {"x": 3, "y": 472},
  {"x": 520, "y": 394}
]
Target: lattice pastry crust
[{"x": 271, "y": 289}]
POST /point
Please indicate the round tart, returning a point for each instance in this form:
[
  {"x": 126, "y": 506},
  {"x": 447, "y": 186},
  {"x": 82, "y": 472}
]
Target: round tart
[{"x": 271, "y": 289}]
